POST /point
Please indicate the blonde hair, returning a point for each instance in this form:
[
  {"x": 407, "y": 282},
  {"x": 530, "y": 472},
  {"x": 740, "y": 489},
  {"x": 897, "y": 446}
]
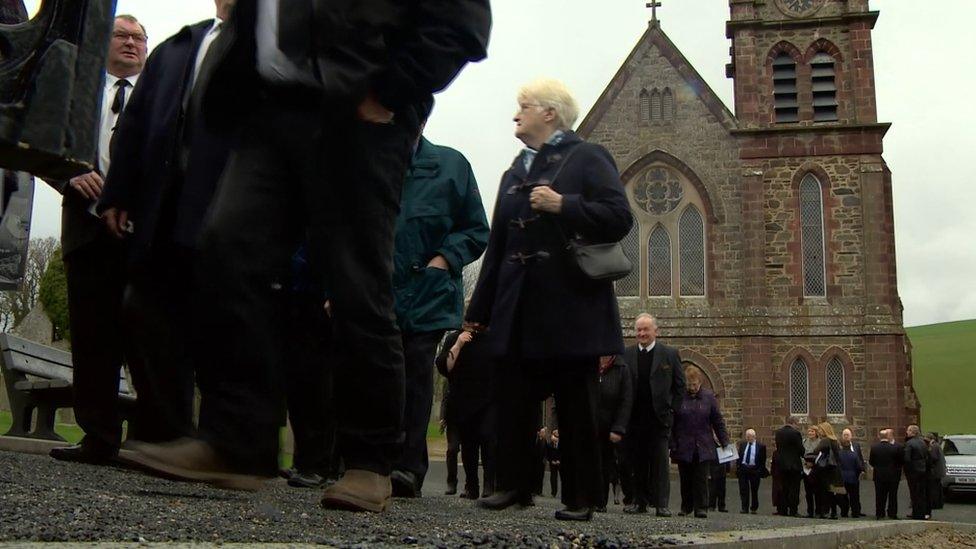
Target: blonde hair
[
  {"x": 692, "y": 373},
  {"x": 826, "y": 430},
  {"x": 552, "y": 94}
]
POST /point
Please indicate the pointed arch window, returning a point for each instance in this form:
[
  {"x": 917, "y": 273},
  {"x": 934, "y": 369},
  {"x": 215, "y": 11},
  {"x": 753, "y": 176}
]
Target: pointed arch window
[
  {"x": 644, "y": 108},
  {"x": 655, "y": 104},
  {"x": 629, "y": 286},
  {"x": 659, "y": 263},
  {"x": 691, "y": 243},
  {"x": 812, "y": 237},
  {"x": 824, "y": 84},
  {"x": 836, "y": 389},
  {"x": 785, "y": 99},
  {"x": 667, "y": 105},
  {"x": 799, "y": 388}
]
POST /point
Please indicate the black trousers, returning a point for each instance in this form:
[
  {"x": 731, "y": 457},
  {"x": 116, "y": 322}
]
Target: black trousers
[
  {"x": 611, "y": 454},
  {"x": 851, "y": 503},
  {"x": 575, "y": 384},
  {"x": 918, "y": 488},
  {"x": 477, "y": 437},
  {"x": 749, "y": 480},
  {"x": 647, "y": 447},
  {"x": 451, "y": 455},
  {"x": 309, "y": 394},
  {"x": 299, "y": 174},
  {"x": 810, "y": 493},
  {"x": 886, "y": 498},
  {"x": 789, "y": 499},
  {"x": 826, "y": 500},
  {"x": 936, "y": 496},
  {"x": 418, "y": 360},
  {"x": 694, "y": 484},
  {"x": 716, "y": 486},
  {"x": 96, "y": 279},
  {"x": 159, "y": 306}
]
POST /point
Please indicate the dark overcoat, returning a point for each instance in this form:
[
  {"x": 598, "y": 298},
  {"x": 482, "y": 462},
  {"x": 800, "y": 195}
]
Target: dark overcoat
[
  {"x": 440, "y": 214},
  {"x": 533, "y": 297},
  {"x": 471, "y": 380},
  {"x": 151, "y": 135},
  {"x": 401, "y": 51},
  {"x": 667, "y": 381},
  {"x": 886, "y": 459},
  {"x": 788, "y": 457},
  {"x": 697, "y": 423},
  {"x": 616, "y": 398}
]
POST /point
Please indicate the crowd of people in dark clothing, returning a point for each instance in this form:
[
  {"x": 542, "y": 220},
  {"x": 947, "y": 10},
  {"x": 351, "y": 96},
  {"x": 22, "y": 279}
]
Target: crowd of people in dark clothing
[{"x": 268, "y": 223}]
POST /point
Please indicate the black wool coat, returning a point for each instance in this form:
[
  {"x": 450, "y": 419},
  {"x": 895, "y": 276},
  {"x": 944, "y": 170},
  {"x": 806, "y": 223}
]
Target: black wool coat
[
  {"x": 886, "y": 459},
  {"x": 789, "y": 450},
  {"x": 152, "y": 133},
  {"x": 616, "y": 398},
  {"x": 531, "y": 295},
  {"x": 471, "y": 380}
]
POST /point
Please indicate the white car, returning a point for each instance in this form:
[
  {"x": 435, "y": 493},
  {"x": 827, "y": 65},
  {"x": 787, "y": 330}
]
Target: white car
[{"x": 960, "y": 456}]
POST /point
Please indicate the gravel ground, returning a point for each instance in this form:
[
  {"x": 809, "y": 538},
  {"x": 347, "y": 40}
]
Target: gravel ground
[
  {"x": 45, "y": 500},
  {"x": 943, "y": 538}
]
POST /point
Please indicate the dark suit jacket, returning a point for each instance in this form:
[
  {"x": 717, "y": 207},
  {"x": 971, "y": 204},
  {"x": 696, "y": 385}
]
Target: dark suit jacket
[
  {"x": 543, "y": 301},
  {"x": 916, "y": 456},
  {"x": 789, "y": 450},
  {"x": 616, "y": 398},
  {"x": 667, "y": 381},
  {"x": 886, "y": 459},
  {"x": 400, "y": 50},
  {"x": 149, "y": 139},
  {"x": 760, "y": 458}
]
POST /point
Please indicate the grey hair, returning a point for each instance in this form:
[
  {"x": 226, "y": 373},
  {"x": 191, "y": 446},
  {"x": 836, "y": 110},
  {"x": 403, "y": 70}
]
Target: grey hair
[
  {"x": 132, "y": 19},
  {"x": 648, "y": 316}
]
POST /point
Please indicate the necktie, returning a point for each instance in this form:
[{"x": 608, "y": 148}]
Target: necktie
[
  {"x": 119, "y": 102},
  {"x": 749, "y": 454}
]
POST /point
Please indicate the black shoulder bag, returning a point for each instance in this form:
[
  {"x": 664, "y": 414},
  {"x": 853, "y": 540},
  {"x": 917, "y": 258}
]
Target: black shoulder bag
[{"x": 605, "y": 261}]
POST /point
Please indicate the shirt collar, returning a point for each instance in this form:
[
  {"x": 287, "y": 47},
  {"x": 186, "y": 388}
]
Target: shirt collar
[
  {"x": 649, "y": 347},
  {"x": 528, "y": 153},
  {"x": 111, "y": 79},
  {"x": 216, "y": 26}
]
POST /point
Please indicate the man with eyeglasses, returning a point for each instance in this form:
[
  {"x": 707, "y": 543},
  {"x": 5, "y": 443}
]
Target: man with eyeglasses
[
  {"x": 95, "y": 268},
  {"x": 156, "y": 196}
]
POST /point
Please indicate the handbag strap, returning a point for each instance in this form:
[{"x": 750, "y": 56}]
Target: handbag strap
[{"x": 552, "y": 184}]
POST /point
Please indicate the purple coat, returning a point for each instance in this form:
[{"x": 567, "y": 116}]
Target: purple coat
[{"x": 694, "y": 425}]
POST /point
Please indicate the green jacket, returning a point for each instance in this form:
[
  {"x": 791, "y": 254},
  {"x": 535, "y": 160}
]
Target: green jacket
[{"x": 440, "y": 214}]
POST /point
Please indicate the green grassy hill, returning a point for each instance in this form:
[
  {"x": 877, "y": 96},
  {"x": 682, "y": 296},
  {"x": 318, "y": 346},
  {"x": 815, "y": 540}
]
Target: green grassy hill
[{"x": 944, "y": 361}]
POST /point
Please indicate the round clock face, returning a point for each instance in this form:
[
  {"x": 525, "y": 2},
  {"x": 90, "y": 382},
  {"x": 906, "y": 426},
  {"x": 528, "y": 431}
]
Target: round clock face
[{"x": 799, "y": 8}]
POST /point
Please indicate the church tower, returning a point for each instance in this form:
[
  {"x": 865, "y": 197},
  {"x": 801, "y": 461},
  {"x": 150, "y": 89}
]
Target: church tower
[{"x": 817, "y": 220}]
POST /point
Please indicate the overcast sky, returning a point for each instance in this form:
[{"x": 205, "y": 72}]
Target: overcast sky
[{"x": 924, "y": 88}]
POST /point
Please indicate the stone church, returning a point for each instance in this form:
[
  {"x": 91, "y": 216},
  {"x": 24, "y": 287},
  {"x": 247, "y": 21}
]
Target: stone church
[{"x": 765, "y": 237}]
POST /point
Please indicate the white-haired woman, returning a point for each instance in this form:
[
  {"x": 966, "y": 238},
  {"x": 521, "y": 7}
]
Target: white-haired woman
[{"x": 546, "y": 321}]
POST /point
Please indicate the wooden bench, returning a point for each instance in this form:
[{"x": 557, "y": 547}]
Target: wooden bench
[{"x": 39, "y": 378}]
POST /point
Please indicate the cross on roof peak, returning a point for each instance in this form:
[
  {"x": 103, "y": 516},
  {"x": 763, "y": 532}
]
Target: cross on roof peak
[{"x": 654, "y": 5}]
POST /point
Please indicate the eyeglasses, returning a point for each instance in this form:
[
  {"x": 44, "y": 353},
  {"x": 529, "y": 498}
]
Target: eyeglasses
[
  {"x": 526, "y": 106},
  {"x": 122, "y": 36}
]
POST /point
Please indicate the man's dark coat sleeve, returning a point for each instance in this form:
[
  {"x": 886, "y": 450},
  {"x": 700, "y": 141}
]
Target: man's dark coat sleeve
[
  {"x": 469, "y": 236},
  {"x": 622, "y": 417}
]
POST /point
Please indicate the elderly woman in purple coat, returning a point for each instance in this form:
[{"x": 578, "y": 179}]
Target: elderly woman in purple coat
[{"x": 697, "y": 424}]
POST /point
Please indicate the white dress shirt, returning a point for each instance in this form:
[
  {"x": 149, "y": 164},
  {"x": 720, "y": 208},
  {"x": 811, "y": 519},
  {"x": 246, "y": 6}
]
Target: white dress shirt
[
  {"x": 109, "y": 119},
  {"x": 208, "y": 39},
  {"x": 649, "y": 348}
]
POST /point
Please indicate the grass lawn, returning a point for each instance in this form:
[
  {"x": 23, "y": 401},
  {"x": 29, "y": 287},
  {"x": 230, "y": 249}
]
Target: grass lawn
[{"x": 944, "y": 369}]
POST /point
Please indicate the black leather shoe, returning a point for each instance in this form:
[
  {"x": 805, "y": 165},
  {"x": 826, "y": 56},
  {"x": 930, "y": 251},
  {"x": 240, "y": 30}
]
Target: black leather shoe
[
  {"x": 701, "y": 514},
  {"x": 82, "y": 453},
  {"x": 754, "y": 511},
  {"x": 299, "y": 479},
  {"x": 451, "y": 489},
  {"x": 404, "y": 484},
  {"x": 663, "y": 512},
  {"x": 504, "y": 500},
  {"x": 683, "y": 513},
  {"x": 581, "y": 515},
  {"x": 469, "y": 493},
  {"x": 635, "y": 509},
  {"x": 600, "y": 509}
]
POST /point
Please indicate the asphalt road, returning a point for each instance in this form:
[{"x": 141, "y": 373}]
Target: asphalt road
[{"x": 45, "y": 500}]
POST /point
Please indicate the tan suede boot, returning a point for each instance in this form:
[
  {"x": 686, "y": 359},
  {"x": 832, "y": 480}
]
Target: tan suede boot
[
  {"x": 190, "y": 460},
  {"x": 359, "y": 490}
]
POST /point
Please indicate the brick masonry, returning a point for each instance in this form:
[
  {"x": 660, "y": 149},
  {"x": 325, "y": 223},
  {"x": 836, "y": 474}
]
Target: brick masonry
[{"x": 754, "y": 320}]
